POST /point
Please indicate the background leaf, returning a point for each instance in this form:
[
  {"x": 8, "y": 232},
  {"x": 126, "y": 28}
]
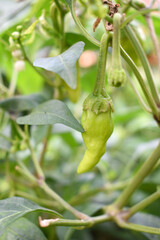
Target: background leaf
[
  {"x": 4, "y": 143},
  {"x": 21, "y": 103},
  {"x": 23, "y": 229},
  {"x": 15, "y": 207},
  {"x": 51, "y": 112},
  {"x": 64, "y": 64}
]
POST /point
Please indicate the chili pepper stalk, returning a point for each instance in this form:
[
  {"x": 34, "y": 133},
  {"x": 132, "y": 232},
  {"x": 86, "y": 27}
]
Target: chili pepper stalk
[
  {"x": 116, "y": 76},
  {"x": 96, "y": 118}
]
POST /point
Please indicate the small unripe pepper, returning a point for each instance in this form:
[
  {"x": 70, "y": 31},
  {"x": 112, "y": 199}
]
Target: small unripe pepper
[
  {"x": 116, "y": 76},
  {"x": 96, "y": 117},
  {"x": 98, "y": 125}
]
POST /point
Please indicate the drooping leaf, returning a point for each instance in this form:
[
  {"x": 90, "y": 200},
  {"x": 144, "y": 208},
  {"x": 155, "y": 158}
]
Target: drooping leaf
[
  {"x": 21, "y": 103},
  {"x": 64, "y": 64},
  {"x": 15, "y": 207},
  {"x": 4, "y": 143},
  {"x": 51, "y": 112},
  {"x": 23, "y": 229}
]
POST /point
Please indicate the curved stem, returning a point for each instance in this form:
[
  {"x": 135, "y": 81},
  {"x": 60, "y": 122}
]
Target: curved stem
[
  {"x": 138, "y": 178},
  {"x": 139, "y": 50},
  {"x": 143, "y": 204},
  {"x": 145, "y": 107},
  {"x": 35, "y": 69},
  {"x": 99, "y": 88},
  {"x": 66, "y": 205},
  {"x": 154, "y": 38},
  {"x": 134, "y": 15},
  {"x": 80, "y": 26},
  {"x": 108, "y": 188},
  {"x": 145, "y": 90},
  {"x": 137, "y": 227}
]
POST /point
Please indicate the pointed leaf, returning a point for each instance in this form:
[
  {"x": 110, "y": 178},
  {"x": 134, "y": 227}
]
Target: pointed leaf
[
  {"x": 15, "y": 207},
  {"x": 21, "y": 103},
  {"x": 21, "y": 230},
  {"x": 51, "y": 112},
  {"x": 64, "y": 64}
]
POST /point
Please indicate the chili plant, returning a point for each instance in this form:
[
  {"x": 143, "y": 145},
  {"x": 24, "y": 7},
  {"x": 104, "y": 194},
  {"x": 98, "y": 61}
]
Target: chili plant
[{"x": 43, "y": 76}]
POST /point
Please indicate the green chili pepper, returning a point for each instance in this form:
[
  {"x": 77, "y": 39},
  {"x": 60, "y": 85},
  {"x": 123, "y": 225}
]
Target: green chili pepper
[
  {"x": 98, "y": 125},
  {"x": 96, "y": 118}
]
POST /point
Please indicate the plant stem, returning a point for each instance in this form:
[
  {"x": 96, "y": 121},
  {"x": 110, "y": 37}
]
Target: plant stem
[
  {"x": 141, "y": 205},
  {"x": 137, "y": 227},
  {"x": 66, "y": 205},
  {"x": 145, "y": 90},
  {"x": 154, "y": 38},
  {"x": 80, "y": 26},
  {"x": 13, "y": 83},
  {"x": 116, "y": 58},
  {"x": 145, "y": 107},
  {"x": 35, "y": 69},
  {"x": 99, "y": 88},
  {"x": 74, "y": 223},
  {"x": 45, "y": 143},
  {"x": 138, "y": 178},
  {"x": 108, "y": 188},
  {"x": 44, "y": 202},
  {"x": 139, "y": 50},
  {"x": 34, "y": 158},
  {"x": 137, "y": 13}
]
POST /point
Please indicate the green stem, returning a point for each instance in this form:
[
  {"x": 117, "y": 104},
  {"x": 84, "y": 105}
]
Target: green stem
[
  {"x": 35, "y": 69},
  {"x": 139, "y": 50},
  {"x": 45, "y": 143},
  {"x": 66, "y": 205},
  {"x": 153, "y": 37},
  {"x": 99, "y": 88},
  {"x": 108, "y": 188},
  {"x": 13, "y": 83},
  {"x": 25, "y": 172},
  {"x": 116, "y": 58},
  {"x": 138, "y": 178},
  {"x": 145, "y": 107},
  {"x": 42, "y": 184},
  {"x": 34, "y": 158},
  {"x": 75, "y": 223},
  {"x": 44, "y": 202},
  {"x": 80, "y": 26},
  {"x": 134, "y": 15},
  {"x": 137, "y": 227},
  {"x": 141, "y": 205},
  {"x": 145, "y": 90}
]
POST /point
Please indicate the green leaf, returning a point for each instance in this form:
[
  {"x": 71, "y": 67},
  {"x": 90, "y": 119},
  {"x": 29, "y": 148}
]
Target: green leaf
[
  {"x": 64, "y": 64},
  {"x": 21, "y": 230},
  {"x": 15, "y": 207},
  {"x": 4, "y": 143},
  {"x": 72, "y": 38},
  {"x": 51, "y": 112},
  {"x": 21, "y": 103}
]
